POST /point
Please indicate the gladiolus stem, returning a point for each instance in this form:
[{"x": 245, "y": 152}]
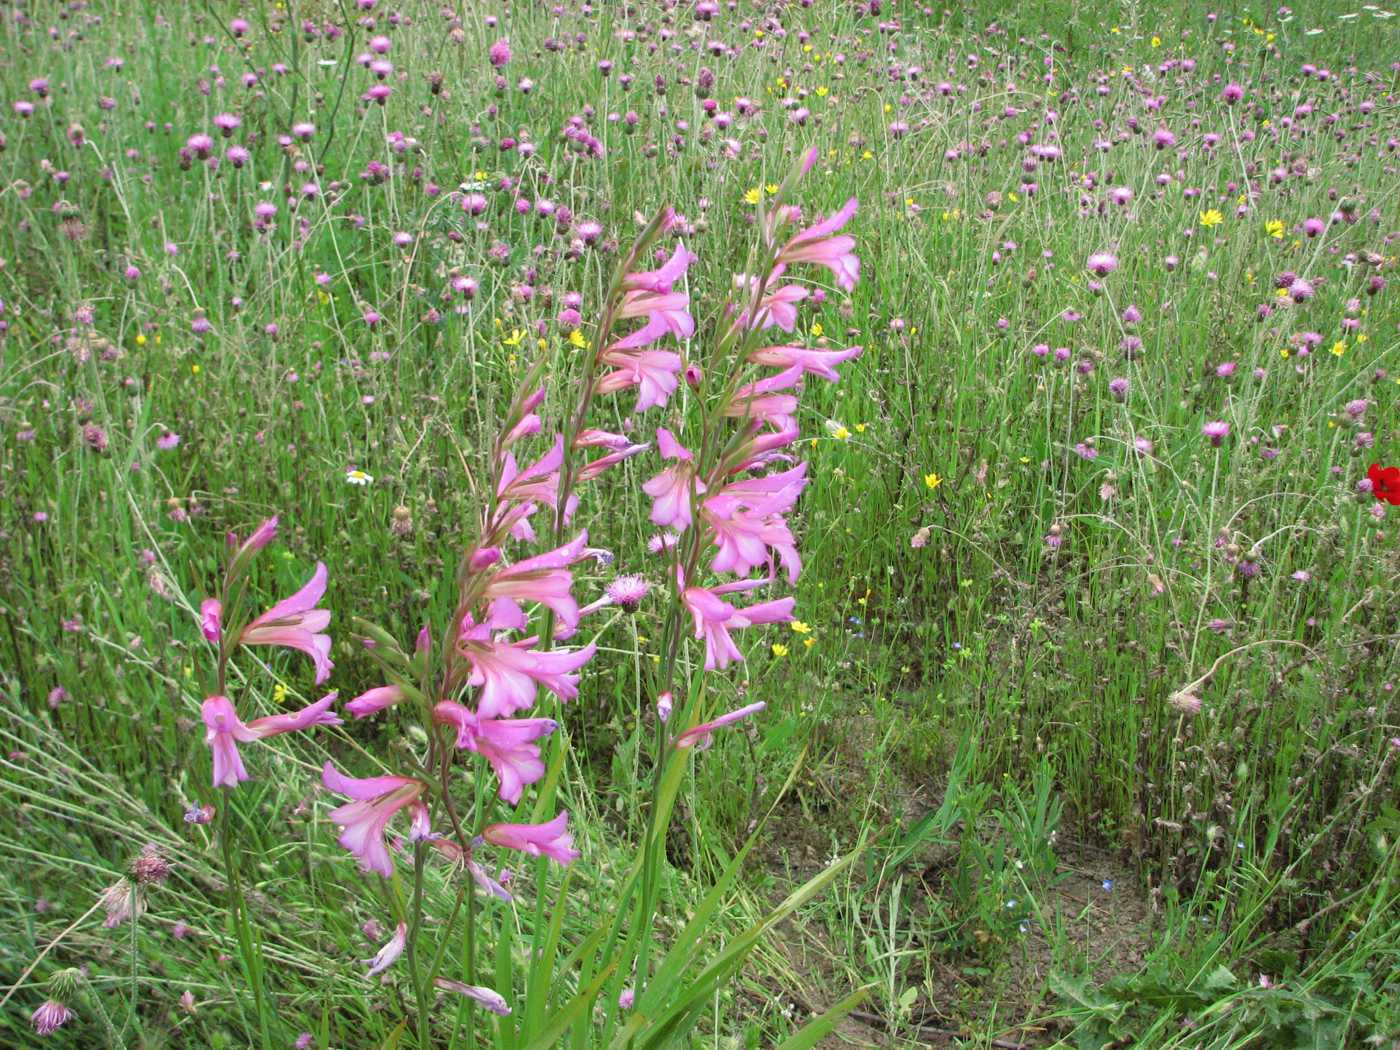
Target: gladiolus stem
[
  {"x": 434, "y": 967},
  {"x": 238, "y": 914},
  {"x": 420, "y": 988}
]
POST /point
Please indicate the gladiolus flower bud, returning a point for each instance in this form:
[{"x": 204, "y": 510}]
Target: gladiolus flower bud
[
  {"x": 485, "y": 558},
  {"x": 210, "y": 619}
]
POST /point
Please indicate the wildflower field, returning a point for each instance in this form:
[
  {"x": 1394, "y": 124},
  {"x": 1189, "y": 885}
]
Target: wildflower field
[{"x": 640, "y": 524}]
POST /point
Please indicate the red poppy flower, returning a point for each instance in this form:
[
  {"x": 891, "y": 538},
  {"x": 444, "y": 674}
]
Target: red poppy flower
[{"x": 1385, "y": 483}]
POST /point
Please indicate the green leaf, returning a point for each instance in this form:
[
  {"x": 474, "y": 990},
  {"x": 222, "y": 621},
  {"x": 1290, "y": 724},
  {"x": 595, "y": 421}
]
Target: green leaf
[
  {"x": 818, "y": 1028},
  {"x": 1077, "y": 991},
  {"x": 683, "y": 952},
  {"x": 505, "y": 977},
  {"x": 391, "y": 1041},
  {"x": 541, "y": 976},
  {"x": 1219, "y": 981},
  {"x": 732, "y": 957},
  {"x": 573, "y": 1010}
]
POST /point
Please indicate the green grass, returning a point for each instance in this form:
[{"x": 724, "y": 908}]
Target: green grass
[{"x": 994, "y": 717}]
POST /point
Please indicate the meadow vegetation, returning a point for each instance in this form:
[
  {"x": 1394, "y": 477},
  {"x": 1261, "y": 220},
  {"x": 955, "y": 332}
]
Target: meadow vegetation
[{"x": 939, "y": 463}]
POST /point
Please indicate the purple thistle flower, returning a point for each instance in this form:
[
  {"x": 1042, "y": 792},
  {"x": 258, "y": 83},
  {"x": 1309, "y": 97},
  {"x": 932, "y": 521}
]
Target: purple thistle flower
[
  {"x": 628, "y": 591},
  {"x": 50, "y": 1017},
  {"x": 1101, "y": 264},
  {"x": 1217, "y": 430}
]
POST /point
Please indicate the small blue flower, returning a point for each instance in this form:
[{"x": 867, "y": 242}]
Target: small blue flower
[{"x": 1108, "y": 885}]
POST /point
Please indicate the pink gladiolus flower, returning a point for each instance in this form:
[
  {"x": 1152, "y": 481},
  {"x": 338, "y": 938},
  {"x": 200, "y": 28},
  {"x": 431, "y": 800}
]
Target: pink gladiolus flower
[
  {"x": 364, "y": 820},
  {"x": 817, "y": 245},
  {"x": 779, "y": 306},
  {"x": 651, "y": 294},
  {"x": 296, "y": 623},
  {"x": 224, "y": 731},
  {"x": 769, "y": 494},
  {"x": 528, "y": 425},
  {"x": 703, "y": 735},
  {"x": 487, "y": 997},
  {"x": 661, "y": 280},
  {"x": 591, "y": 471},
  {"x": 520, "y": 490},
  {"x": 667, "y": 313},
  {"x": 653, "y": 372},
  {"x": 592, "y": 437},
  {"x": 261, "y": 537},
  {"x": 211, "y": 613},
  {"x": 511, "y": 672},
  {"x": 372, "y": 701},
  {"x": 761, "y": 447},
  {"x": 670, "y": 490},
  {"x": 816, "y": 362},
  {"x": 393, "y": 948},
  {"x": 743, "y": 540},
  {"x": 506, "y": 743},
  {"x": 760, "y": 400},
  {"x": 746, "y": 519},
  {"x": 715, "y": 618},
  {"x": 537, "y": 840},
  {"x": 477, "y": 872},
  {"x": 536, "y": 482},
  {"x": 544, "y": 578}
]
